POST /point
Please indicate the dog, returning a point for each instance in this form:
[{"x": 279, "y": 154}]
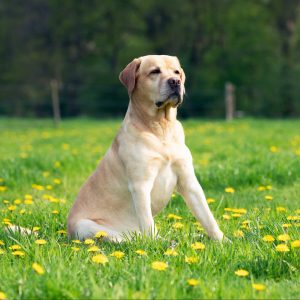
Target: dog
[{"x": 146, "y": 162}]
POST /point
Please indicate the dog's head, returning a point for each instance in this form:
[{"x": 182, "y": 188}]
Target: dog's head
[{"x": 155, "y": 78}]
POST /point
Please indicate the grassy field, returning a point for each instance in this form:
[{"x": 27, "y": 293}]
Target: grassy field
[{"x": 249, "y": 170}]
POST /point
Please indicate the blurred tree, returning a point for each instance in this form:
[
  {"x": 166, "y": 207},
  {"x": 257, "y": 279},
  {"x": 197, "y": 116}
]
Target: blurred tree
[{"x": 84, "y": 45}]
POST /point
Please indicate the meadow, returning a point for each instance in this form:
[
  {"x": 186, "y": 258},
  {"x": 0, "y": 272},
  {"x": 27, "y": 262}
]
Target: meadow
[{"x": 249, "y": 170}]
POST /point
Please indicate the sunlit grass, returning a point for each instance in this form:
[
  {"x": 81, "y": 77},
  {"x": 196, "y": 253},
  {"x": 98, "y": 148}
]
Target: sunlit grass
[{"x": 250, "y": 172}]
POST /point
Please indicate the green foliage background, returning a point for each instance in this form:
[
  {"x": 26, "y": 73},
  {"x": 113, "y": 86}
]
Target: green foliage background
[{"x": 85, "y": 44}]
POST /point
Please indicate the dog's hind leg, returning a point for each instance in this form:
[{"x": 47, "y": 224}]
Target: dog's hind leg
[{"x": 86, "y": 228}]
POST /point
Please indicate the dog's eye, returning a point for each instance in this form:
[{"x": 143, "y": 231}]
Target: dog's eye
[
  {"x": 155, "y": 71},
  {"x": 176, "y": 72}
]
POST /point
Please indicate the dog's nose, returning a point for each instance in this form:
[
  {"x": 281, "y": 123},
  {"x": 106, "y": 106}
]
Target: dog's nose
[{"x": 174, "y": 83}]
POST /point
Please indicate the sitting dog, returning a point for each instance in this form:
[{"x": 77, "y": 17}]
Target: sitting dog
[{"x": 146, "y": 162}]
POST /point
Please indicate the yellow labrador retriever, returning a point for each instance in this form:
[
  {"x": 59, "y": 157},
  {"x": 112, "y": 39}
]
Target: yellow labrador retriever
[{"x": 146, "y": 162}]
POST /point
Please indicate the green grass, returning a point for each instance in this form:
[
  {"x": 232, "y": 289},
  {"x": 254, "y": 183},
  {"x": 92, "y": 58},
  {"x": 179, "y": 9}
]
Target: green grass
[{"x": 233, "y": 154}]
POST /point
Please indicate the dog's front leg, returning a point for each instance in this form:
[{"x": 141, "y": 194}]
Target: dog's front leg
[
  {"x": 140, "y": 192},
  {"x": 194, "y": 196}
]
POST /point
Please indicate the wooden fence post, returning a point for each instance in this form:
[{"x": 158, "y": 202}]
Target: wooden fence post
[
  {"x": 54, "y": 85},
  {"x": 229, "y": 101}
]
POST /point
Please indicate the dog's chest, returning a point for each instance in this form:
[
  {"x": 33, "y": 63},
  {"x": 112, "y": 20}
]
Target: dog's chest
[{"x": 163, "y": 187}]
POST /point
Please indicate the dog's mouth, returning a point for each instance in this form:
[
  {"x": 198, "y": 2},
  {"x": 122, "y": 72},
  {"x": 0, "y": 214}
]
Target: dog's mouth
[{"x": 174, "y": 99}]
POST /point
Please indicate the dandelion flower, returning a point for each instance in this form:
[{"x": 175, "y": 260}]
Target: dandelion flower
[
  {"x": 18, "y": 253},
  {"x": 76, "y": 249},
  {"x": 295, "y": 244},
  {"x": 229, "y": 190},
  {"x": 280, "y": 209},
  {"x": 100, "y": 259},
  {"x": 171, "y": 252},
  {"x": 15, "y": 247},
  {"x": 191, "y": 259},
  {"x": 283, "y": 237},
  {"x": 198, "y": 246},
  {"x": 174, "y": 217},
  {"x": 273, "y": 149},
  {"x": 61, "y": 231},
  {"x": 286, "y": 225},
  {"x": 293, "y": 218},
  {"x": 238, "y": 233},
  {"x": 2, "y": 251},
  {"x": 35, "y": 228},
  {"x": 76, "y": 241},
  {"x": 3, "y": 296},
  {"x": 57, "y": 181},
  {"x": 89, "y": 242},
  {"x": 159, "y": 265},
  {"x": 38, "y": 268},
  {"x": 258, "y": 286},
  {"x": 41, "y": 242},
  {"x": 226, "y": 217},
  {"x": 282, "y": 248},
  {"x": 268, "y": 238},
  {"x": 210, "y": 200},
  {"x": 241, "y": 273},
  {"x": 178, "y": 225},
  {"x": 269, "y": 197},
  {"x": 100, "y": 234},
  {"x": 55, "y": 212},
  {"x": 193, "y": 282},
  {"x": 118, "y": 254},
  {"x": 261, "y": 188},
  {"x": 93, "y": 249},
  {"x": 141, "y": 252}
]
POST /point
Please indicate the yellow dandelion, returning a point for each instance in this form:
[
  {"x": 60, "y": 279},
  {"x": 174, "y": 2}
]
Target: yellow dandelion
[
  {"x": 89, "y": 242},
  {"x": 3, "y": 188},
  {"x": 241, "y": 273},
  {"x": 18, "y": 253},
  {"x": 171, "y": 252},
  {"x": 76, "y": 241},
  {"x": 41, "y": 242},
  {"x": 229, "y": 190},
  {"x": 12, "y": 208},
  {"x": 273, "y": 149},
  {"x": 141, "y": 252},
  {"x": 269, "y": 197},
  {"x": 268, "y": 238},
  {"x": 38, "y": 268},
  {"x": 191, "y": 259},
  {"x": 15, "y": 247},
  {"x": 258, "y": 286},
  {"x": 76, "y": 249},
  {"x": 61, "y": 231},
  {"x": 55, "y": 212},
  {"x": 93, "y": 249},
  {"x": 28, "y": 201},
  {"x": 159, "y": 265},
  {"x": 280, "y": 209},
  {"x": 100, "y": 234},
  {"x": 3, "y": 296},
  {"x": 198, "y": 246},
  {"x": 282, "y": 248},
  {"x": 100, "y": 259},
  {"x": 261, "y": 188},
  {"x": 293, "y": 218},
  {"x": 226, "y": 217},
  {"x": 210, "y": 200},
  {"x": 36, "y": 228},
  {"x": 2, "y": 251},
  {"x": 236, "y": 215},
  {"x": 269, "y": 187},
  {"x": 286, "y": 225},
  {"x": 283, "y": 237},
  {"x": 174, "y": 217},
  {"x": 295, "y": 244},
  {"x": 118, "y": 254},
  {"x": 57, "y": 181},
  {"x": 238, "y": 233},
  {"x": 17, "y": 201},
  {"x": 193, "y": 282},
  {"x": 49, "y": 187},
  {"x": 178, "y": 225}
]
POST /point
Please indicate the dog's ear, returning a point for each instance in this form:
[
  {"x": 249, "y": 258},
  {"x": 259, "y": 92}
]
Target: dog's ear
[{"x": 128, "y": 75}]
